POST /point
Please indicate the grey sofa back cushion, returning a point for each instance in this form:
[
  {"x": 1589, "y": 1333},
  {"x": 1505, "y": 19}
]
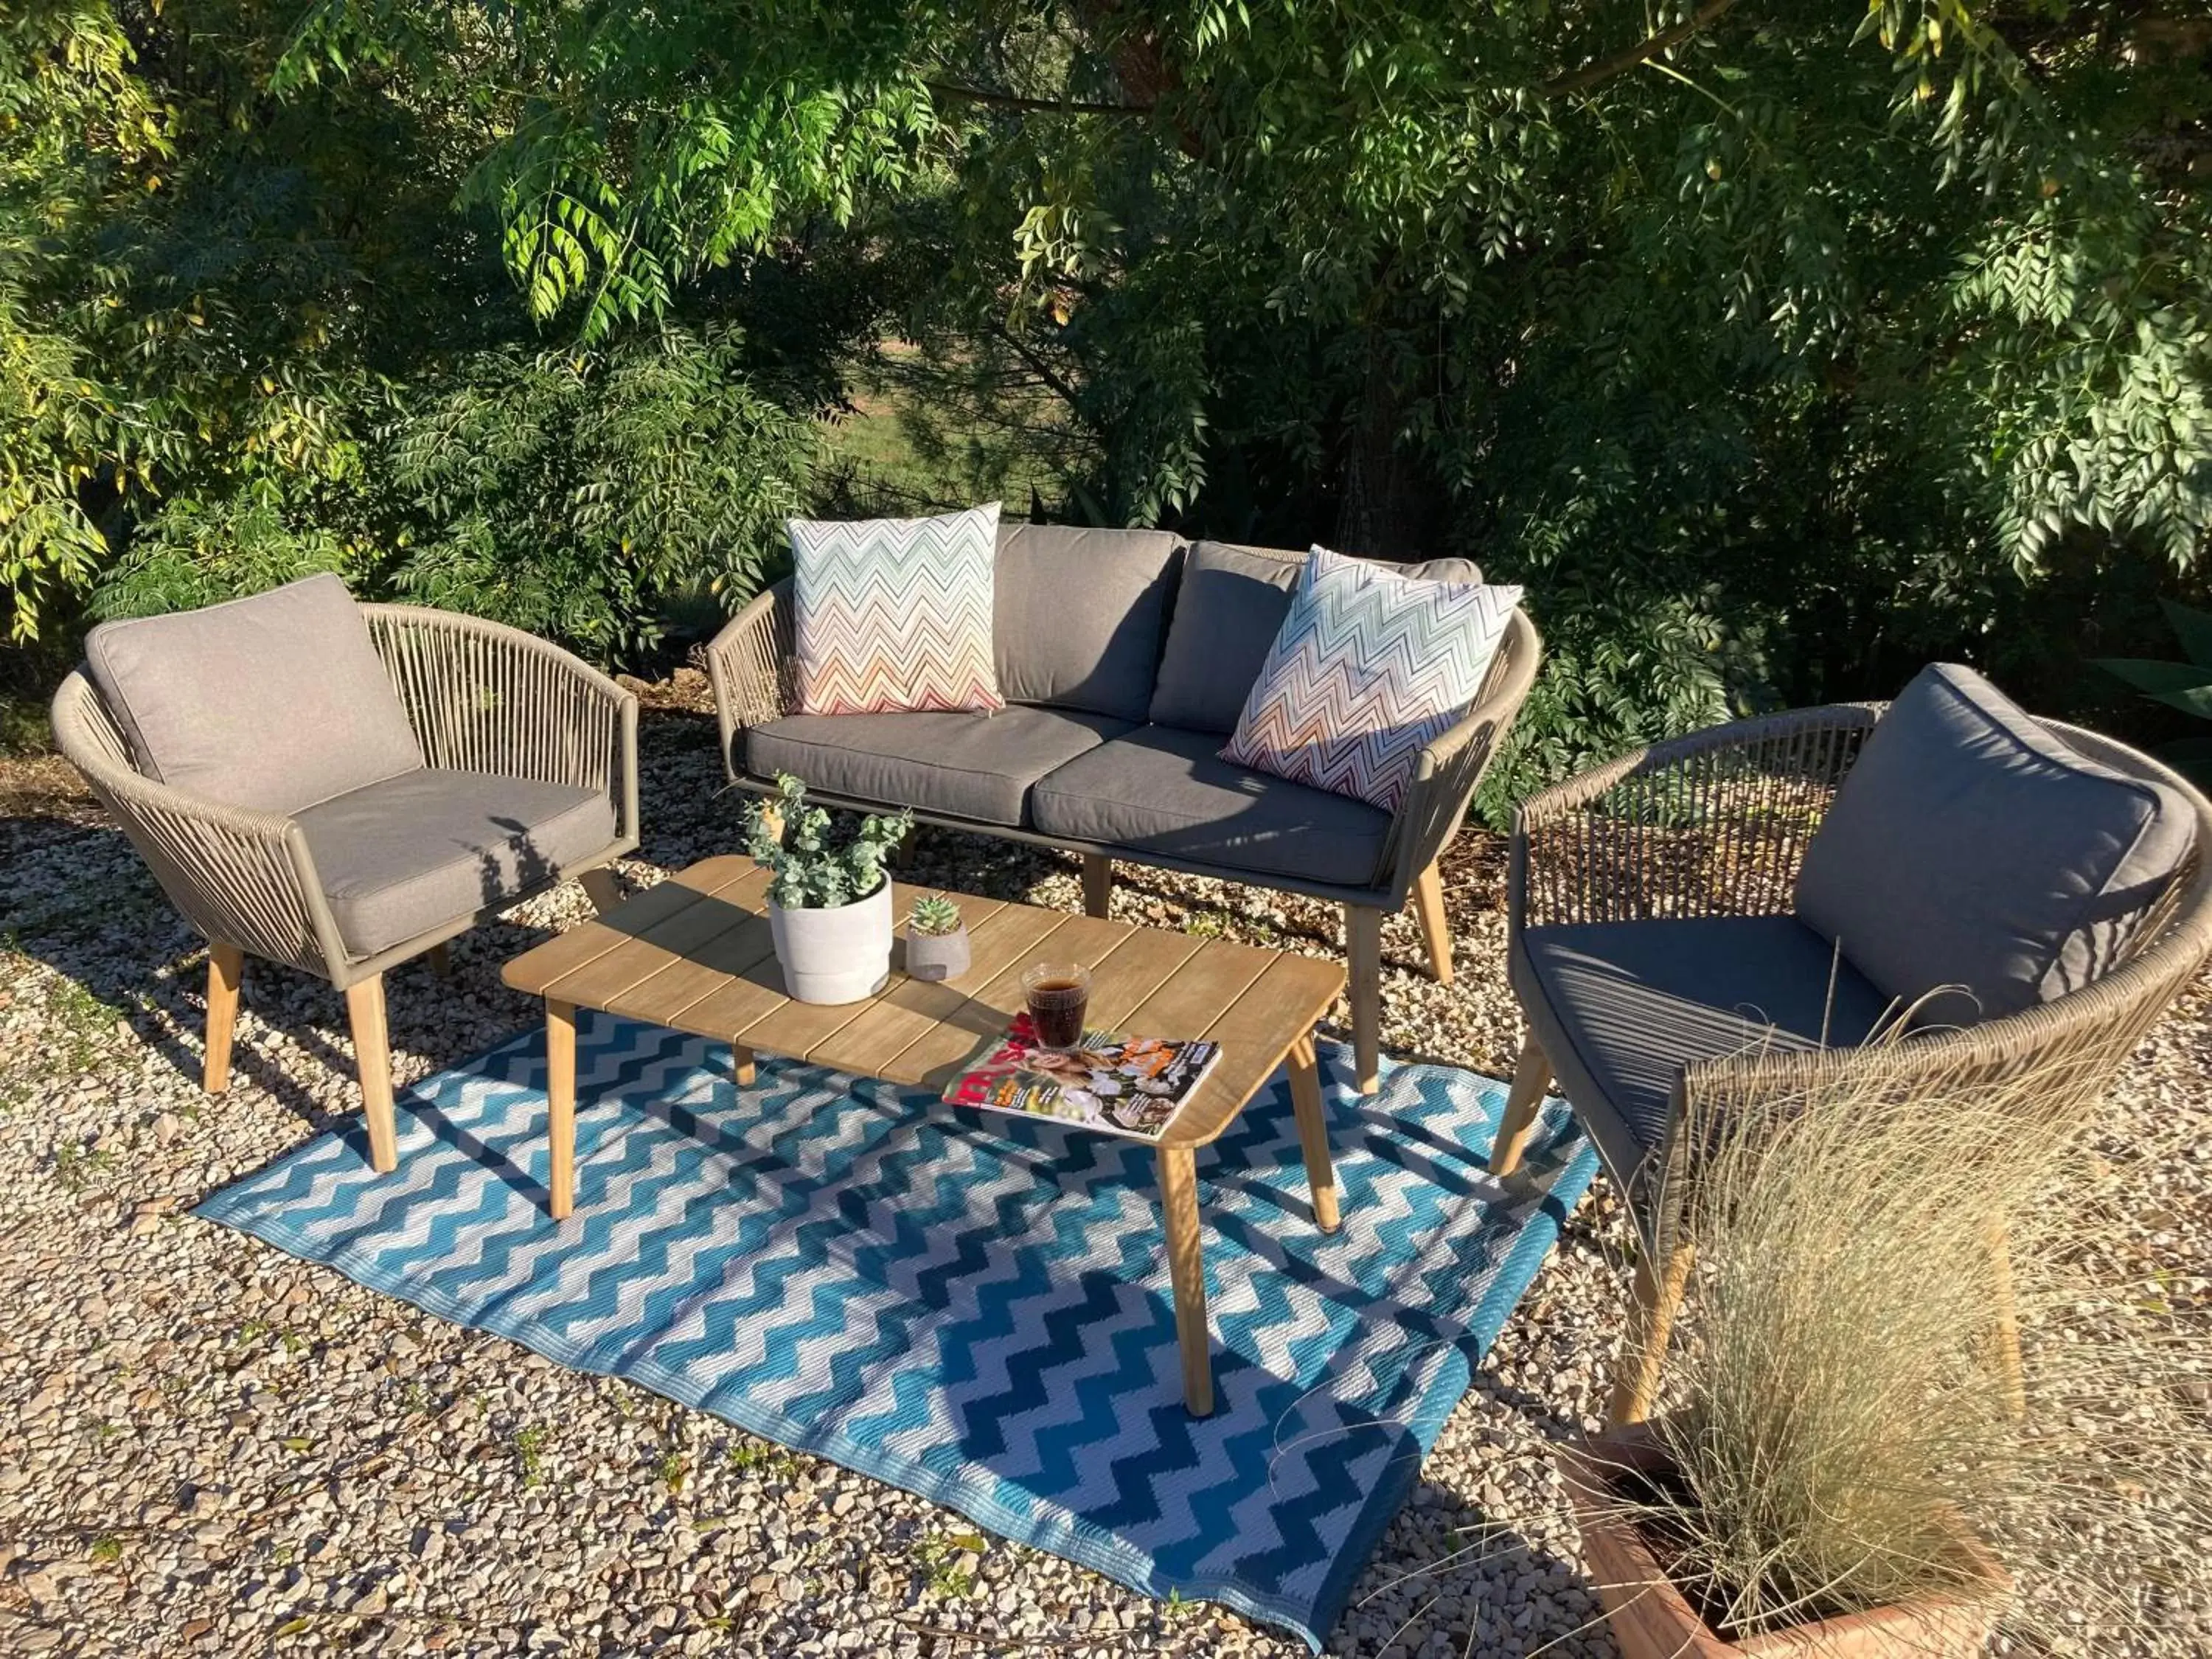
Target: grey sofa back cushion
[
  {"x": 270, "y": 702},
  {"x": 1969, "y": 846},
  {"x": 1228, "y": 609},
  {"x": 1078, "y": 615}
]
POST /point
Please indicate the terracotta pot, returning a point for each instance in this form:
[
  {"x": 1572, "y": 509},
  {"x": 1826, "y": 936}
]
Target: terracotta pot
[
  {"x": 834, "y": 956},
  {"x": 937, "y": 956},
  {"x": 1652, "y": 1619}
]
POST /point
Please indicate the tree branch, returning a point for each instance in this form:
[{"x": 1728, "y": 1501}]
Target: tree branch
[
  {"x": 1620, "y": 62},
  {"x": 1042, "y": 106}
]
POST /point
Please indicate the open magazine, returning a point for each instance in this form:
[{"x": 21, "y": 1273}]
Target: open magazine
[{"x": 1119, "y": 1086}]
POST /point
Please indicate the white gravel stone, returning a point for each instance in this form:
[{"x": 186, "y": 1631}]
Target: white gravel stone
[{"x": 210, "y": 1449}]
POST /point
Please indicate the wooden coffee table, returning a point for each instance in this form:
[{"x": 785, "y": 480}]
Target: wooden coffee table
[{"x": 694, "y": 954}]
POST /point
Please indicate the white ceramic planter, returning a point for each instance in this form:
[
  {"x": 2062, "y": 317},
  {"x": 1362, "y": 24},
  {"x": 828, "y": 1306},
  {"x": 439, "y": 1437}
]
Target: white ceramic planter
[
  {"x": 937, "y": 956},
  {"x": 834, "y": 956}
]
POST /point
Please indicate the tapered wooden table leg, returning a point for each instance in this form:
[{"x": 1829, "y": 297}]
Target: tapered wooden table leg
[
  {"x": 1313, "y": 1131},
  {"x": 1187, "y": 1269},
  {"x": 226, "y": 969},
  {"x": 561, "y": 1102},
  {"x": 742, "y": 1069}
]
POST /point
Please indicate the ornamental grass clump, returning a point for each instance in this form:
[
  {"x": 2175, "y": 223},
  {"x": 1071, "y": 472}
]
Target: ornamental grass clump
[{"x": 1843, "y": 1400}]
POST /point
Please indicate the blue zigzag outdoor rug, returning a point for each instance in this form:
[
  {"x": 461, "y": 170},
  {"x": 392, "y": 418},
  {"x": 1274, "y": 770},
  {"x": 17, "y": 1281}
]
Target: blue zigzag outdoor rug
[{"x": 973, "y": 1307}]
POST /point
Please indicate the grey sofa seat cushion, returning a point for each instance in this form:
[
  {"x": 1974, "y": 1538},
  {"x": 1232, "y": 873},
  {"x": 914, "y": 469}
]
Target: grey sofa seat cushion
[
  {"x": 961, "y": 765},
  {"x": 1620, "y": 1007},
  {"x": 1160, "y": 790},
  {"x": 268, "y": 702},
  {"x": 402, "y": 856},
  {"x": 1228, "y": 607},
  {"x": 1969, "y": 846},
  {"x": 1078, "y": 615}
]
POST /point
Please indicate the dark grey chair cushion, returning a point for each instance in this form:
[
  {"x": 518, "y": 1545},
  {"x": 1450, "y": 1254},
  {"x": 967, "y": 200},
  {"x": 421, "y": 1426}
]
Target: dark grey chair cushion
[
  {"x": 268, "y": 702},
  {"x": 1621, "y": 1006},
  {"x": 1969, "y": 846},
  {"x": 961, "y": 765},
  {"x": 1078, "y": 615},
  {"x": 1164, "y": 790},
  {"x": 1228, "y": 607},
  {"x": 410, "y": 853}
]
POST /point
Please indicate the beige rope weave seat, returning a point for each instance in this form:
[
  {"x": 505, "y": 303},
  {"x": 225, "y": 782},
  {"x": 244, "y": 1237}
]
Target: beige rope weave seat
[
  {"x": 1697, "y": 847},
  {"x": 341, "y": 788}
]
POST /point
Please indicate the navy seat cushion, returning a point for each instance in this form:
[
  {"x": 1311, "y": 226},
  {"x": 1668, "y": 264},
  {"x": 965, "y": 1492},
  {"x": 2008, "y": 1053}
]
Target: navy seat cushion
[
  {"x": 1162, "y": 790},
  {"x": 1621, "y": 1008},
  {"x": 974, "y": 766},
  {"x": 408, "y": 854},
  {"x": 1969, "y": 846}
]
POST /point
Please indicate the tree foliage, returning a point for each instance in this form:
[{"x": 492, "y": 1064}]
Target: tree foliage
[{"x": 1775, "y": 348}]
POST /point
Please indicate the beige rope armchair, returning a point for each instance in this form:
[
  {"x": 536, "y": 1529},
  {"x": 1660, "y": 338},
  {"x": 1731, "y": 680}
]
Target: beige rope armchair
[
  {"x": 527, "y": 775},
  {"x": 1715, "y": 826}
]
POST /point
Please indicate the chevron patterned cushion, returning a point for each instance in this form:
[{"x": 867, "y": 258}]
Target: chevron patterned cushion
[
  {"x": 894, "y": 615},
  {"x": 1370, "y": 666}
]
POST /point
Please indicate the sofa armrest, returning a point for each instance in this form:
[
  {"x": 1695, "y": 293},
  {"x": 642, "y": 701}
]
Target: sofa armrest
[
  {"x": 240, "y": 878},
  {"x": 485, "y": 697},
  {"x": 1715, "y": 824},
  {"x": 1449, "y": 769},
  {"x": 751, "y": 666}
]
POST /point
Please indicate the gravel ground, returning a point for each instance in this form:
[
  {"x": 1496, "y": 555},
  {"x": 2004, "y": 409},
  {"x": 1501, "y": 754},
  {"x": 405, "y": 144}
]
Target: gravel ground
[{"x": 218, "y": 1449}]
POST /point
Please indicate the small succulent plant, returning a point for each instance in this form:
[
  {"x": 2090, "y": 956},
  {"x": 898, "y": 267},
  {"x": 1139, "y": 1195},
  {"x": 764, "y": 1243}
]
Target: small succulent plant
[
  {"x": 933, "y": 916},
  {"x": 809, "y": 869}
]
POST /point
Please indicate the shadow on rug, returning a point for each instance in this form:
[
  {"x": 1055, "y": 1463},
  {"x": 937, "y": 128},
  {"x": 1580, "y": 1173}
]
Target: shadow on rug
[{"x": 973, "y": 1307}]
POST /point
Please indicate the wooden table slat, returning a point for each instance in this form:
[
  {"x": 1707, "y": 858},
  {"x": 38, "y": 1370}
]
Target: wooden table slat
[
  {"x": 936, "y": 1056},
  {"x": 1197, "y": 993},
  {"x": 912, "y": 1007},
  {"x": 564, "y": 953},
  {"x": 665, "y": 943},
  {"x": 1256, "y": 1032}
]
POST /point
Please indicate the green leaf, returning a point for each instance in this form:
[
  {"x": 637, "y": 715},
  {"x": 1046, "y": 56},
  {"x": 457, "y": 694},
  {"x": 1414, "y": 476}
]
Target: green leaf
[
  {"x": 2193, "y": 628},
  {"x": 2162, "y": 680}
]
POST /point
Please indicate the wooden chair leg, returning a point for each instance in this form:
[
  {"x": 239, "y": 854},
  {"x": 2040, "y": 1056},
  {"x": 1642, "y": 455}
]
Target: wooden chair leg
[
  {"x": 1363, "y": 937},
  {"x": 1429, "y": 905},
  {"x": 743, "y": 1068},
  {"x": 1516, "y": 1127},
  {"x": 226, "y": 971},
  {"x": 601, "y": 888},
  {"x": 1313, "y": 1131},
  {"x": 1643, "y": 1354},
  {"x": 1098, "y": 884},
  {"x": 372, "y": 1055},
  {"x": 442, "y": 960}
]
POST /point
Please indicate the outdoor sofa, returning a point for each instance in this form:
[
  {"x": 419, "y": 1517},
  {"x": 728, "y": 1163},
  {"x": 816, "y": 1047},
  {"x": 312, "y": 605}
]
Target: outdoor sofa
[{"x": 1125, "y": 656}]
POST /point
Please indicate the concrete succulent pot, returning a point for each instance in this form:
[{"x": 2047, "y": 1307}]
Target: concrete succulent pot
[
  {"x": 839, "y": 955},
  {"x": 1651, "y": 1619},
  {"x": 936, "y": 956}
]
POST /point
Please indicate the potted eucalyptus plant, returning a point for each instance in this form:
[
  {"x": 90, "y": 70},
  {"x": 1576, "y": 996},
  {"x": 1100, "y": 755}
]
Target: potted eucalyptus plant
[
  {"x": 829, "y": 894},
  {"x": 936, "y": 939}
]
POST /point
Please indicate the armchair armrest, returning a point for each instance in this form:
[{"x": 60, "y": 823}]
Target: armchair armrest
[
  {"x": 750, "y": 663},
  {"x": 1712, "y": 824},
  {"x": 484, "y": 697},
  {"x": 1448, "y": 770},
  {"x": 240, "y": 878}
]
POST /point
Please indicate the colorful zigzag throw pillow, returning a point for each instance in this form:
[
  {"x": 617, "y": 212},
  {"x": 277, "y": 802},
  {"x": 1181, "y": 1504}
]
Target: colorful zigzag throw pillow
[
  {"x": 893, "y": 616},
  {"x": 1370, "y": 666}
]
